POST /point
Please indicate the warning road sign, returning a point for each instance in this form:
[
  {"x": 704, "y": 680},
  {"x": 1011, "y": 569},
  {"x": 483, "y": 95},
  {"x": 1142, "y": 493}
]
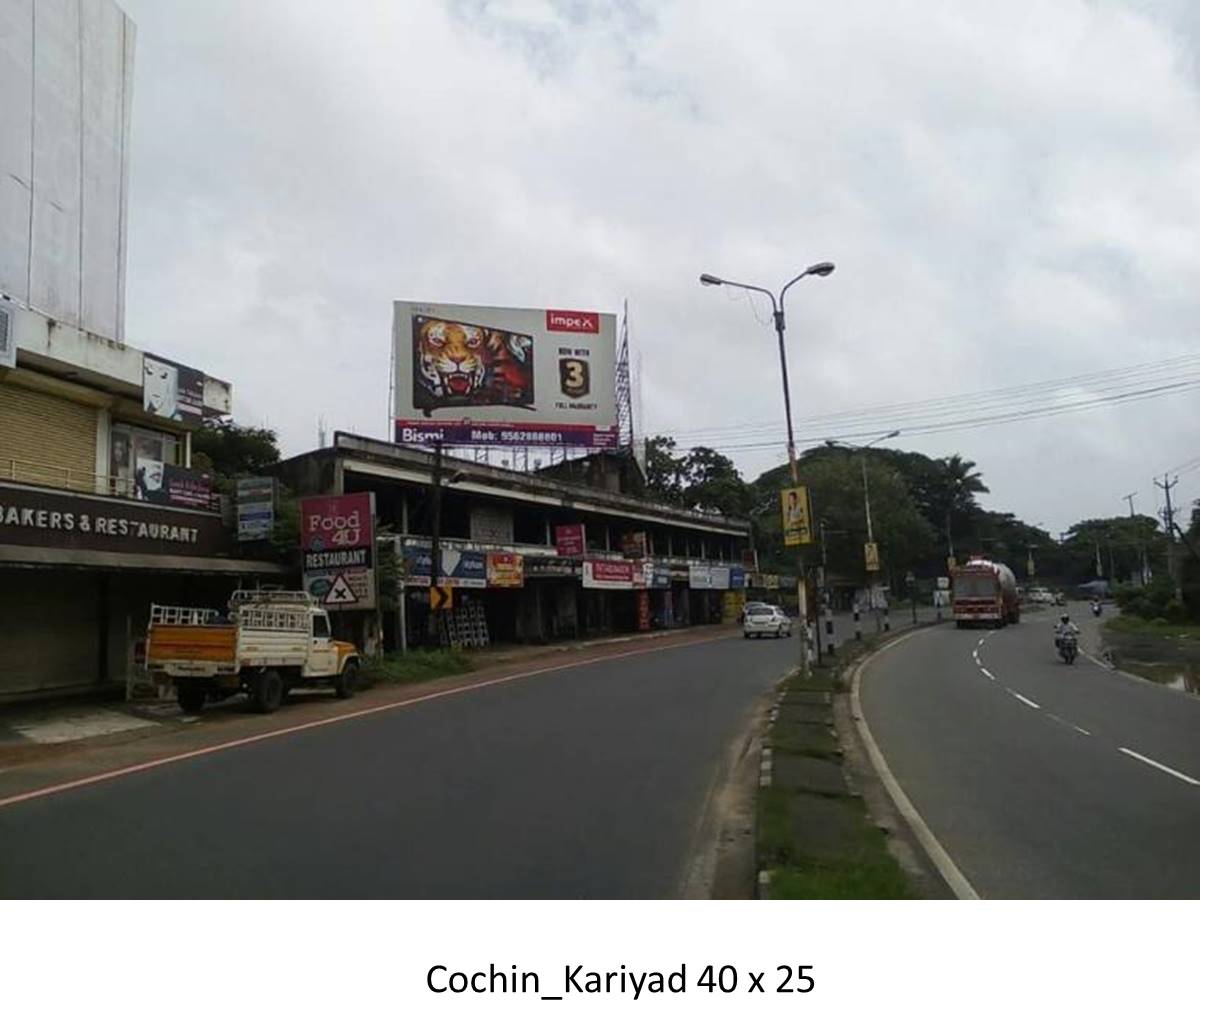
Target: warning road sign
[
  {"x": 340, "y": 592},
  {"x": 441, "y": 598}
]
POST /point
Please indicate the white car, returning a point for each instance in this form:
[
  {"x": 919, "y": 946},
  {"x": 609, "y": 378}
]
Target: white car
[{"x": 765, "y": 620}]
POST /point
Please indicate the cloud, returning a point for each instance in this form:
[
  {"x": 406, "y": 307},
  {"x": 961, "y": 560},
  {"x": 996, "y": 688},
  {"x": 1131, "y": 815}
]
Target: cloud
[{"x": 1010, "y": 193}]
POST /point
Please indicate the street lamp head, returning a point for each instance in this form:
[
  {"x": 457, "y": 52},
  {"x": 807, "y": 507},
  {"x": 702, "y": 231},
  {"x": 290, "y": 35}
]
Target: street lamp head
[
  {"x": 711, "y": 280},
  {"x": 823, "y": 268},
  {"x": 892, "y": 435}
]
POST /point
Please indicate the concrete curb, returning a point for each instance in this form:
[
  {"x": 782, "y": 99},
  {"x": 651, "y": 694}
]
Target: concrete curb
[{"x": 937, "y": 854}]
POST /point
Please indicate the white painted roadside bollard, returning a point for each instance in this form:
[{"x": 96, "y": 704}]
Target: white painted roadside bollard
[
  {"x": 856, "y": 620},
  {"x": 830, "y": 635}
]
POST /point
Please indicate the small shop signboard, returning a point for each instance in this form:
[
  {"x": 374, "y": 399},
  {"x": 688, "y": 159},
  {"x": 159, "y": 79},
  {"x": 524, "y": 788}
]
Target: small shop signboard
[
  {"x": 709, "y": 577},
  {"x": 655, "y": 576},
  {"x": 608, "y": 575},
  {"x": 465, "y": 569},
  {"x": 255, "y": 508},
  {"x": 337, "y": 550},
  {"x": 570, "y": 540},
  {"x": 506, "y": 570}
]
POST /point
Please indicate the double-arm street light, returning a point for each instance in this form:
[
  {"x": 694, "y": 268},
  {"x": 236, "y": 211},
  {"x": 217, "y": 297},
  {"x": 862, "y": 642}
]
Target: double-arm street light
[
  {"x": 865, "y": 470},
  {"x": 822, "y": 269}
]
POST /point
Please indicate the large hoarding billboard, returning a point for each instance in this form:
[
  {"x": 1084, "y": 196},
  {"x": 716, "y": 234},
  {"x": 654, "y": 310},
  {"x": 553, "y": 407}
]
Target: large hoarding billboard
[{"x": 504, "y": 376}]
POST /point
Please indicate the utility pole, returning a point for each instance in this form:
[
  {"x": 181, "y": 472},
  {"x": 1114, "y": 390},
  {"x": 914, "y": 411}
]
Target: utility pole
[
  {"x": 1131, "y": 507},
  {"x": 1166, "y": 486}
]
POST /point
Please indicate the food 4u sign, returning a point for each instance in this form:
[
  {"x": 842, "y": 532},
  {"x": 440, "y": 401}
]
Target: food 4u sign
[{"x": 337, "y": 550}]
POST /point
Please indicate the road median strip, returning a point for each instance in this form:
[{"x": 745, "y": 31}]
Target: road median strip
[{"x": 816, "y": 839}]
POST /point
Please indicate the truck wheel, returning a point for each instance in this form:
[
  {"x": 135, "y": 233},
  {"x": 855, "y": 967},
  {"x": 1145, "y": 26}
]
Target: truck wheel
[
  {"x": 346, "y": 684},
  {"x": 190, "y": 697},
  {"x": 267, "y": 692}
]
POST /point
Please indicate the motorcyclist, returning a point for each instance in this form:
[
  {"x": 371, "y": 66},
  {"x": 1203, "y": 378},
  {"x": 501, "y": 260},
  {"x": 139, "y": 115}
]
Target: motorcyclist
[
  {"x": 1065, "y": 628},
  {"x": 1096, "y": 607}
]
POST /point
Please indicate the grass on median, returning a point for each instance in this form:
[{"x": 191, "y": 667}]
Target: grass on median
[
  {"x": 858, "y": 867},
  {"x": 817, "y": 846},
  {"x": 415, "y": 666}
]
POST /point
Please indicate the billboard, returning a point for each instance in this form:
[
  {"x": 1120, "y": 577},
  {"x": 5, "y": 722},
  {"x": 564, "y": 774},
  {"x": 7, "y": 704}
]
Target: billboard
[
  {"x": 173, "y": 390},
  {"x": 337, "y": 550},
  {"x": 504, "y": 376}
]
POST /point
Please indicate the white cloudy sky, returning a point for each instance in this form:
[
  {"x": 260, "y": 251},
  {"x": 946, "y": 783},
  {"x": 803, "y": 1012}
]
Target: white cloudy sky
[{"x": 1010, "y": 192}]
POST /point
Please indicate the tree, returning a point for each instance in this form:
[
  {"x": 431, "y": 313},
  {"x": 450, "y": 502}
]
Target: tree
[
  {"x": 712, "y": 483},
  {"x": 663, "y": 470},
  {"x": 906, "y": 540},
  {"x": 229, "y": 451}
]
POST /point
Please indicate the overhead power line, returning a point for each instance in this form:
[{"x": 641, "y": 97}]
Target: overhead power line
[
  {"x": 1099, "y": 385},
  {"x": 915, "y": 429}
]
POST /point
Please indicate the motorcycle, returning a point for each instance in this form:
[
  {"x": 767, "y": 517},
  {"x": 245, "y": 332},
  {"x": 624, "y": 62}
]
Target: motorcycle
[
  {"x": 1096, "y": 608},
  {"x": 1067, "y": 647}
]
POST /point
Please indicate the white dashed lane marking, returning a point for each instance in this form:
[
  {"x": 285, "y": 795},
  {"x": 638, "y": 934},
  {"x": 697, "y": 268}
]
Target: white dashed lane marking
[
  {"x": 1072, "y": 725},
  {"x": 1159, "y": 766}
]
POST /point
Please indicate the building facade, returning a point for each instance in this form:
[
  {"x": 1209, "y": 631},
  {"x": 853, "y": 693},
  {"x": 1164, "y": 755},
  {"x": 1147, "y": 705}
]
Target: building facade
[
  {"x": 529, "y": 557},
  {"x": 100, "y": 511}
]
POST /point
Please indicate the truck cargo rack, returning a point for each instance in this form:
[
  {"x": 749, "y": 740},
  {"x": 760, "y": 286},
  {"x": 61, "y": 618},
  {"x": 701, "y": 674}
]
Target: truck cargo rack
[
  {"x": 165, "y": 614},
  {"x": 244, "y": 597}
]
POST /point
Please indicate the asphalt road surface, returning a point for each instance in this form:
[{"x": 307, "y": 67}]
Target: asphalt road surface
[
  {"x": 586, "y": 782},
  {"x": 1041, "y": 779}
]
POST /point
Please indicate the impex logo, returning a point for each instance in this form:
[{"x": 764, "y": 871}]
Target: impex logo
[{"x": 572, "y": 321}]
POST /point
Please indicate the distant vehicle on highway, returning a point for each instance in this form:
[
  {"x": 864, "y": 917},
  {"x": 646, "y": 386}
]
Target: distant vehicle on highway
[
  {"x": 985, "y": 592},
  {"x": 766, "y": 620},
  {"x": 1039, "y": 595}
]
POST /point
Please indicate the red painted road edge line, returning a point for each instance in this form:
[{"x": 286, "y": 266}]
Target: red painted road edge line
[{"x": 145, "y": 766}]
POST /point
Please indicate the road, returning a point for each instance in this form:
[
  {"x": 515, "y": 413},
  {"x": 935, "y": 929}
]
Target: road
[
  {"x": 1014, "y": 761},
  {"x": 582, "y": 782}
]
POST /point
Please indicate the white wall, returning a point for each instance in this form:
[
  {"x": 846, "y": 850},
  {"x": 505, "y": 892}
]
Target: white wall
[{"x": 65, "y": 78}]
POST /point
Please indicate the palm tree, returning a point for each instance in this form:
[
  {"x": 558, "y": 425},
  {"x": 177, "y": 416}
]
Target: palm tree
[{"x": 958, "y": 487}]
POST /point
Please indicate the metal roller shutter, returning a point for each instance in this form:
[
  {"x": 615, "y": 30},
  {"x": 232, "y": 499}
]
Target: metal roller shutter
[{"x": 46, "y": 439}]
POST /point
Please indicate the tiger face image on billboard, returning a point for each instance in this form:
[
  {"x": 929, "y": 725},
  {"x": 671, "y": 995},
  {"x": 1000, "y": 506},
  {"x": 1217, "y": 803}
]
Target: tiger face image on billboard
[{"x": 456, "y": 364}]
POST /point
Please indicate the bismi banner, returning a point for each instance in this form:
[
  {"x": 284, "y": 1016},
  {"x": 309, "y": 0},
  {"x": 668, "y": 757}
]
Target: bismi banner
[
  {"x": 504, "y": 376},
  {"x": 337, "y": 550},
  {"x": 795, "y": 516},
  {"x": 871, "y": 557}
]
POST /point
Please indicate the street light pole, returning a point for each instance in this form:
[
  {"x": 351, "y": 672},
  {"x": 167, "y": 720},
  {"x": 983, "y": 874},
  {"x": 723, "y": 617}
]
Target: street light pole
[
  {"x": 822, "y": 269},
  {"x": 865, "y": 483}
]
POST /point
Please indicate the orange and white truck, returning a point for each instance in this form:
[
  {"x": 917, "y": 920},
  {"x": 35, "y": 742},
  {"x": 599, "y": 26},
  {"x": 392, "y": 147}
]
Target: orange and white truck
[{"x": 268, "y": 642}]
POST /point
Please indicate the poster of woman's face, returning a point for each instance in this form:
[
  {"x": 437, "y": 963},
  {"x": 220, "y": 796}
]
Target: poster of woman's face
[
  {"x": 150, "y": 477},
  {"x": 161, "y": 388}
]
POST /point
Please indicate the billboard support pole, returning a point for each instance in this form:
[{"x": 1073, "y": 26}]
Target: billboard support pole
[{"x": 433, "y": 617}]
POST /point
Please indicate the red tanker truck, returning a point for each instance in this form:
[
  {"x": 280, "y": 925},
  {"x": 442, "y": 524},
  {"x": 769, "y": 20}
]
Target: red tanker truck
[{"x": 985, "y": 592}]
